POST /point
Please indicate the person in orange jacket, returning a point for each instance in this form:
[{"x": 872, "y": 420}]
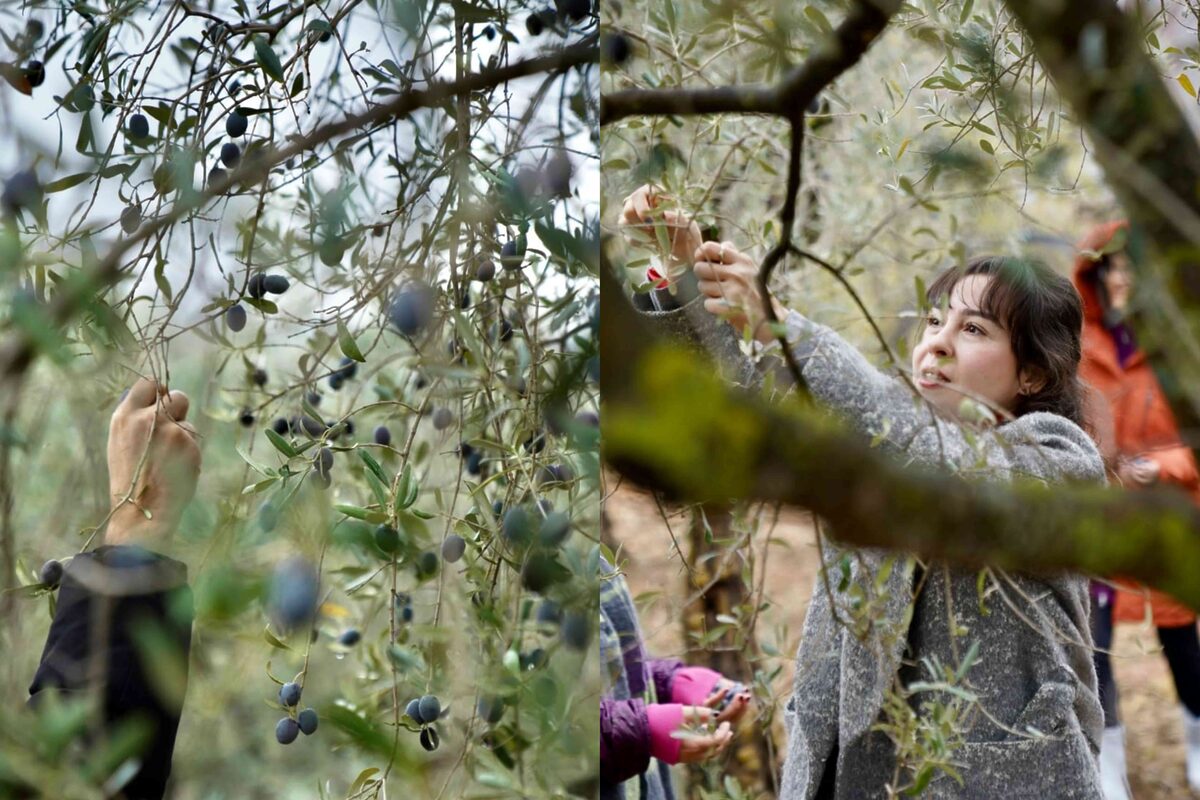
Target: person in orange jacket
[{"x": 1140, "y": 440}]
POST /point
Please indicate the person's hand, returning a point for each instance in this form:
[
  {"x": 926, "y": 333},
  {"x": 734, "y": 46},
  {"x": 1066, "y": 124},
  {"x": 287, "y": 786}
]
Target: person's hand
[
  {"x": 737, "y": 705},
  {"x": 696, "y": 747},
  {"x": 643, "y": 210},
  {"x": 728, "y": 278},
  {"x": 167, "y": 478},
  {"x": 1140, "y": 471}
]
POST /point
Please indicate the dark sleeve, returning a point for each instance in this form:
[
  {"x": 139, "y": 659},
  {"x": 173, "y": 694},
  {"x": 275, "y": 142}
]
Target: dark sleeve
[
  {"x": 120, "y": 607},
  {"x": 663, "y": 671},
  {"x": 624, "y": 740}
]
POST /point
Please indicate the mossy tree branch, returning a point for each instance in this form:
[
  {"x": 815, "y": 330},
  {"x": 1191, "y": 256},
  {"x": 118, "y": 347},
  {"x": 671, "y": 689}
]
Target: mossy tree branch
[{"x": 671, "y": 424}]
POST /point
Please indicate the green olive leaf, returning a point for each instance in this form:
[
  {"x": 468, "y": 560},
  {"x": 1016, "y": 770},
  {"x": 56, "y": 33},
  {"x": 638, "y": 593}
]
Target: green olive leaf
[
  {"x": 347, "y": 343},
  {"x": 267, "y": 59}
]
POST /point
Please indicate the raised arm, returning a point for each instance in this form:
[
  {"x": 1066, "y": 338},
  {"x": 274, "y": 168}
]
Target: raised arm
[
  {"x": 115, "y": 599},
  {"x": 1038, "y": 445}
]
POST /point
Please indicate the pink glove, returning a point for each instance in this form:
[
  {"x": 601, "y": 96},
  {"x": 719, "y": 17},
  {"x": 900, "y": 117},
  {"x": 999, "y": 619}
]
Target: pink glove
[
  {"x": 691, "y": 686},
  {"x": 664, "y": 719}
]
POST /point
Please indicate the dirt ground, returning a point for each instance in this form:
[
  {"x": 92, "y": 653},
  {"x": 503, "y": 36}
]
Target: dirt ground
[{"x": 1149, "y": 706}]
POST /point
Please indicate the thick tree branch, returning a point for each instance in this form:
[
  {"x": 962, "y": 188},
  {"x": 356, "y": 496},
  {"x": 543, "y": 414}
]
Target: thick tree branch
[
  {"x": 671, "y": 424},
  {"x": 18, "y": 350},
  {"x": 794, "y": 92}
]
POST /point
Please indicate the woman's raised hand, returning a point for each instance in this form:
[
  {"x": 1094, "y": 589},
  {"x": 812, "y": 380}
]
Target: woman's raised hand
[
  {"x": 728, "y": 278},
  {"x": 151, "y": 445},
  {"x": 695, "y": 747},
  {"x": 643, "y": 210},
  {"x": 736, "y": 706}
]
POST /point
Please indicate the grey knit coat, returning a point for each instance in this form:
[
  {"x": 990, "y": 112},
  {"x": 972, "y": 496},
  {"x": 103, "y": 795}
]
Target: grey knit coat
[{"x": 1033, "y": 729}]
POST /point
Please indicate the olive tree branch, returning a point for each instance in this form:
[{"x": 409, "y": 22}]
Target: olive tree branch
[
  {"x": 787, "y": 217},
  {"x": 862, "y": 25},
  {"x": 18, "y": 350},
  {"x": 665, "y": 409}
]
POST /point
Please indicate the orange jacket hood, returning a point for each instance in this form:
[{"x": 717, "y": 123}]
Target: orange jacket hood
[{"x": 1095, "y": 241}]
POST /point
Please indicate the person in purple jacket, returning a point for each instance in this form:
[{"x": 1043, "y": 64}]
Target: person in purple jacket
[{"x": 654, "y": 712}]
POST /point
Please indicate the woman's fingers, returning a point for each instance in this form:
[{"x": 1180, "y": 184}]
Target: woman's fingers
[
  {"x": 714, "y": 271},
  {"x": 721, "y": 739},
  {"x": 718, "y": 306},
  {"x": 706, "y": 746},
  {"x": 710, "y": 251},
  {"x": 638, "y": 205},
  {"x": 721, "y": 253},
  {"x": 714, "y": 699},
  {"x": 142, "y": 394},
  {"x": 736, "y": 708},
  {"x": 635, "y": 208},
  {"x": 177, "y": 404},
  {"x": 643, "y": 201},
  {"x": 629, "y": 212}
]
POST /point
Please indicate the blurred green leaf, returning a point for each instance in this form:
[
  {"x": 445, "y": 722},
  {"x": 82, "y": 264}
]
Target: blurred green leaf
[
  {"x": 347, "y": 344},
  {"x": 267, "y": 59},
  {"x": 67, "y": 182},
  {"x": 372, "y": 464},
  {"x": 281, "y": 444},
  {"x": 273, "y": 641}
]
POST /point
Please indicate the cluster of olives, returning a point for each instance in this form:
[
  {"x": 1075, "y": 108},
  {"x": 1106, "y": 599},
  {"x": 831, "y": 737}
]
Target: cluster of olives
[
  {"x": 231, "y": 154},
  {"x": 572, "y": 10},
  {"x": 288, "y": 728},
  {"x": 425, "y": 711},
  {"x": 404, "y": 609},
  {"x": 258, "y": 285},
  {"x": 22, "y": 190},
  {"x": 35, "y": 70},
  {"x": 473, "y": 456},
  {"x": 346, "y": 371},
  {"x": 51, "y": 574},
  {"x": 411, "y": 310}
]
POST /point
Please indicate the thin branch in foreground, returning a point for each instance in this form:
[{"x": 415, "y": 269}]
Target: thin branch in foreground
[{"x": 787, "y": 218}]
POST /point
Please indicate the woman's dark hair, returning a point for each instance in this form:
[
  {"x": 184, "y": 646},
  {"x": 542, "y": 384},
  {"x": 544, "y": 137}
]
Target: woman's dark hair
[
  {"x": 1095, "y": 277},
  {"x": 1044, "y": 316}
]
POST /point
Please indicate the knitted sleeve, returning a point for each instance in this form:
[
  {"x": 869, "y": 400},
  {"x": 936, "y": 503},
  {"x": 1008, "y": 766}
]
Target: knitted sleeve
[{"x": 1038, "y": 445}]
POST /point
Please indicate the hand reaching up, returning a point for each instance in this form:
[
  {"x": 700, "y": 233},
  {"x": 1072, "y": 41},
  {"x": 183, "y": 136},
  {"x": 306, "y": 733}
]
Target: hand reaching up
[{"x": 153, "y": 450}]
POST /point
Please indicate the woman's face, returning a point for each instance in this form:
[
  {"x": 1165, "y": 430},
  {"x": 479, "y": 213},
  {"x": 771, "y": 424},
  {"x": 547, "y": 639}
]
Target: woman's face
[
  {"x": 1118, "y": 281},
  {"x": 964, "y": 352}
]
